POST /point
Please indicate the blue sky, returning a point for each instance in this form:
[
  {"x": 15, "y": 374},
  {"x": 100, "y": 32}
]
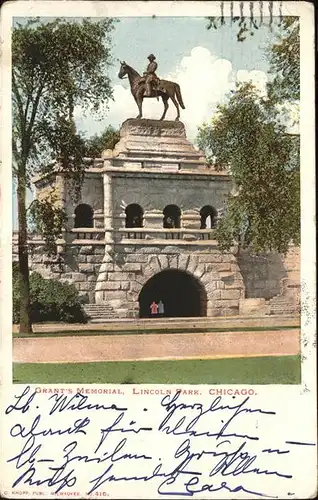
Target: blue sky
[{"x": 173, "y": 38}]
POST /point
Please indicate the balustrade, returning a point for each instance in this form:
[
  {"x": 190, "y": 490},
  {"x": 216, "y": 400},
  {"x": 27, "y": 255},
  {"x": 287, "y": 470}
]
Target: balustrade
[
  {"x": 148, "y": 234},
  {"x": 140, "y": 235},
  {"x": 85, "y": 233}
]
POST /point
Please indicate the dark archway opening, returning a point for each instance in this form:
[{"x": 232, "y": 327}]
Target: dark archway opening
[
  {"x": 171, "y": 217},
  {"x": 181, "y": 294},
  {"x": 84, "y": 216},
  {"x": 208, "y": 217},
  {"x": 134, "y": 215}
]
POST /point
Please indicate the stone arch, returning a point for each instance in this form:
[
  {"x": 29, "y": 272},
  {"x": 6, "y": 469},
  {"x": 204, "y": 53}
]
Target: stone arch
[
  {"x": 222, "y": 288},
  {"x": 208, "y": 216},
  {"x": 134, "y": 215},
  {"x": 188, "y": 263},
  {"x": 84, "y": 216},
  {"x": 179, "y": 293}
]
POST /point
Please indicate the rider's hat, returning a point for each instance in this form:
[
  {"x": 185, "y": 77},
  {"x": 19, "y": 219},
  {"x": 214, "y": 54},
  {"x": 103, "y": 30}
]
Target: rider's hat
[{"x": 151, "y": 57}]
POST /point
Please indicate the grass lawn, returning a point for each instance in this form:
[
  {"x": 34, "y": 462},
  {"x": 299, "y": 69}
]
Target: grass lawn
[{"x": 259, "y": 370}]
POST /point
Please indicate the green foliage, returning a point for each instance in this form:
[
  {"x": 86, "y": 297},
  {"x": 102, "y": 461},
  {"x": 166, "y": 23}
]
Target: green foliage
[
  {"x": 49, "y": 220},
  {"x": 51, "y": 300},
  {"x": 67, "y": 147},
  {"x": 264, "y": 209},
  {"x": 284, "y": 59},
  {"x": 98, "y": 143}
]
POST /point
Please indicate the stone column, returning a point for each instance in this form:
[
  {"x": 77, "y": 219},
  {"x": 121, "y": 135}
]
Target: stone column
[
  {"x": 108, "y": 210},
  {"x": 107, "y": 264},
  {"x": 60, "y": 188}
]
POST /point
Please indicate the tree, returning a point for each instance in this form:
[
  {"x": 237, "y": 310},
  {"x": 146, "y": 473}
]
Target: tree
[
  {"x": 264, "y": 210},
  {"x": 284, "y": 58},
  {"x": 98, "y": 143},
  {"x": 48, "y": 218},
  {"x": 56, "y": 66}
]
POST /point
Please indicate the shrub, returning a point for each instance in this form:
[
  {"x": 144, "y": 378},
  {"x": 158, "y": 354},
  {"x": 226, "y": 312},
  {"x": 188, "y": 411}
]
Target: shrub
[{"x": 51, "y": 300}]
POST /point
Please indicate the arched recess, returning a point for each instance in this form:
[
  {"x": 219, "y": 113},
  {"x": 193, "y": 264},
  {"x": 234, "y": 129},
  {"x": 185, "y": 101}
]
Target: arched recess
[
  {"x": 84, "y": 216},
  {"x": 180, "y": 292},
  {"x": 134, "y": 215},
  {"x": 208, "y": 217},
  {"x": 171, "y": 216}
]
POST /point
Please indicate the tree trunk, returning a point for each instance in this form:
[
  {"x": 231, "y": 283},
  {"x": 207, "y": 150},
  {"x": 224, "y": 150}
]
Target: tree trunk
[{"x": 25, "y": 319}]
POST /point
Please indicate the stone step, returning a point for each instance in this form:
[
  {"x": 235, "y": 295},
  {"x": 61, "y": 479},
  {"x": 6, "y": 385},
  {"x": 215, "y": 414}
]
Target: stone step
[
  {"x": 96, "y": 306},
  {"x": 159, "y": 161},
  {"x": 167, "y": 154},
  {"x": 280, "y": 306},
  {"x": 279, "y": 300},
  {"x": 100, "y": 308},
  {"x": 283, "y": 309},
  {"x": 282, "y": 312},
  {"x": 287, "y": 307},
  {"x": 99, "y": 311},
  {"x": 97, "y": 314}
]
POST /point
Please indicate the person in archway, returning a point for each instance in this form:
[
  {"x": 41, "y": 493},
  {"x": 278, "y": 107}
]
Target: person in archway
[
  {"x": 161, "y": 308},
  {"x": 154, "y": 308},
  {"x": 170, "y": 222},
  {"x": 135, "y": 221}
]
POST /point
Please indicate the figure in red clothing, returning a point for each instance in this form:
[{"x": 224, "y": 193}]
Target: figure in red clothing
[{"x": 154, "y": 308}]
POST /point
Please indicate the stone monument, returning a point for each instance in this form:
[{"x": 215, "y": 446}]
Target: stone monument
[{"x": 143, "y": 232}]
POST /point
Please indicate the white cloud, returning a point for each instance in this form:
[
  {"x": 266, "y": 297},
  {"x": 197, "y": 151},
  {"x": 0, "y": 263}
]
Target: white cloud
[{"x": 204, "y": 79}]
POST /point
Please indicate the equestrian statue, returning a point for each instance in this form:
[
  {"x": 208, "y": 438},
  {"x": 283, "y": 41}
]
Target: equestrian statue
[{"x": 149, "y": 85}]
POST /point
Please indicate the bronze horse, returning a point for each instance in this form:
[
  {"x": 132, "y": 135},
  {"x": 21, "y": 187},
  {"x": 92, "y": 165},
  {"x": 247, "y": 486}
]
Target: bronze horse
[{"x": 166, "y": 90}]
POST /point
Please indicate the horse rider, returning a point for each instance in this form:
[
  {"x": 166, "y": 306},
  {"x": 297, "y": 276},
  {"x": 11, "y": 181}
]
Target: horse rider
[{"x": 150, "y": 76}]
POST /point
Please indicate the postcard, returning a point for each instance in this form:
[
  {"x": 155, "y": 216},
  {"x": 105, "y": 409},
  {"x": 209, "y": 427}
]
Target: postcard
[{"x": 158, "y": 298}]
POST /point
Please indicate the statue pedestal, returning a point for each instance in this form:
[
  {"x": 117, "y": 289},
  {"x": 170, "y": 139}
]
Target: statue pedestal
[
  {"x": 153, "y": 128},
  {"x": 154, "y": 144}
]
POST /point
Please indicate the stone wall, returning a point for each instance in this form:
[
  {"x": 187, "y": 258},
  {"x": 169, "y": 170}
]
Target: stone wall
[
  {"x": 244, "y": 284},
  {"x": 79, "y": 265},
  {"x": 92, "y": 193},
  {"x": 124, "y": 272},
  {"x": 154, "y": 192},
  {"x": 265, "y": 275}
]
